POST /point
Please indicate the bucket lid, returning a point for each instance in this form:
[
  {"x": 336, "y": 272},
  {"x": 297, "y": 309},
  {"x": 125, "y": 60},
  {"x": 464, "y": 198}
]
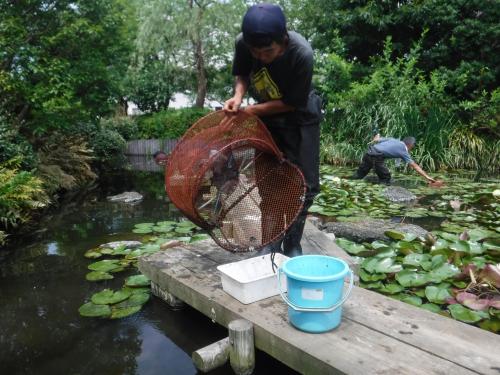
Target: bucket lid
[{"x": 290, "y": 268}]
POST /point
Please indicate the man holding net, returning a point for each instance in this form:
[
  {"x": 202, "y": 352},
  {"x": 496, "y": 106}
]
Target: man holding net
[{"x": 276, "y": 66}]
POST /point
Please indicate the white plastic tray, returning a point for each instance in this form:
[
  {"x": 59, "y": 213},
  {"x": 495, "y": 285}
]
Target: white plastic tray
[{"x": 252, "y": 279}]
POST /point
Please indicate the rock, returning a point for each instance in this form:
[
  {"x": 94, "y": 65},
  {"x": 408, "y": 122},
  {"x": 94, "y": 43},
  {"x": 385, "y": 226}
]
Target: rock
[
  {"x": 399, "y": 194},
  {"x": 126, "y": 197},
  {"x": 370, "y": 229},
  {"x": 127, "y": 244}
]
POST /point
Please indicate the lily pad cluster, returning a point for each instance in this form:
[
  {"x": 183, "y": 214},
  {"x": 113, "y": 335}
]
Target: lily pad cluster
[
  {"x": 454, "y": 271},
  {"x": 460, "y": 202},
  {"x": 451, "y": 276},
  {"x": 135, "y": 291},
  {"x": 118, "y": 304}
]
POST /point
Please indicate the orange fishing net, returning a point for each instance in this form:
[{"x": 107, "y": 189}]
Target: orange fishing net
[{"x": 228, "y": 177}]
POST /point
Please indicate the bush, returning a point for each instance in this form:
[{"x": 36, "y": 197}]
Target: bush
[
  {"x": 109, "y": 147},
  {"x": 65, "y": 163},
  {"x": 395, "y": 101},
  {"x": 20, "y": 193},
  {"x": 123, "y": 125},
  {"x": 168, "y": 124},
  {"x": 12, "y": 145}
]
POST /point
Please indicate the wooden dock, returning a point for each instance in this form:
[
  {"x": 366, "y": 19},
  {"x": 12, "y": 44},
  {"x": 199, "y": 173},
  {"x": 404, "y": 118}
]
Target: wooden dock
[{"x": 378, "y": 335}]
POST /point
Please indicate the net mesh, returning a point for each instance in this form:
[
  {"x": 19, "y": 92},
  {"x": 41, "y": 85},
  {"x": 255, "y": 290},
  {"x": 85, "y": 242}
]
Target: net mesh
[{"x": 227, "y": 176}]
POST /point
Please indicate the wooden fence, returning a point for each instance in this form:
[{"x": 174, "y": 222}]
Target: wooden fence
[{"x": 150, "y": 146}]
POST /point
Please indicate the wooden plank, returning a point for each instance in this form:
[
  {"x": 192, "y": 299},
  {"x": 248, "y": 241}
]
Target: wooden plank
[{"x": 366, "y": 341}]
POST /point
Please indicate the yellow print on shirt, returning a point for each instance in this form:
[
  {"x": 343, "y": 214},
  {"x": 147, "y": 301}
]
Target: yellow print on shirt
[{"x": 265, "y": 87}]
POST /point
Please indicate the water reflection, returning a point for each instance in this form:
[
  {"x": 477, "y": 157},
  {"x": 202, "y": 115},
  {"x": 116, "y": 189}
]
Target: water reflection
[{"x": 42, "y": 285}]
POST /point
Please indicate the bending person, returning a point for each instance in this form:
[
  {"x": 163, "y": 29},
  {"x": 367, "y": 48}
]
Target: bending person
[{"x": 388, "y": 148}]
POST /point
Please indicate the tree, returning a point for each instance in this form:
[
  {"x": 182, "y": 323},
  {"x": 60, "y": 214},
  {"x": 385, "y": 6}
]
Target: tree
[
  {"x": 461, "y": 38},
  {"x": 61, "y": 61},
  {"x": 195, "y": 37}
]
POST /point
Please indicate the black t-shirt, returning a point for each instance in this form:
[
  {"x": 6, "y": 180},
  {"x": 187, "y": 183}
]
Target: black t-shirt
[{"x": 287, "y": 78}]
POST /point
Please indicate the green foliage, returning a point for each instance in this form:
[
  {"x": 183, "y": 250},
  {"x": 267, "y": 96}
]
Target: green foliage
[
  {"x": 108, "y": 146},
  {"x": 189, "y": 52},
  {"x": 458, "y": 42},
  {"x": 124, "y": 125},
  {"x": 152, "y": 83},
  {"x": 395, "y": 100},
  {"x": 168, "y": 124},
  {"x": 13, "y": 144},
  {"x": 65, "y": 163},
  {"x": 61, "y": 62},
  {"x": 20, "y": 193}
]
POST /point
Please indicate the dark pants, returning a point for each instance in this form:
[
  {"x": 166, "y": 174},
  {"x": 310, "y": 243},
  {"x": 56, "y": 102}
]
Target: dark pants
[
  {"x": 375, "y": 161},
  {"x": 300, "y": 145}
]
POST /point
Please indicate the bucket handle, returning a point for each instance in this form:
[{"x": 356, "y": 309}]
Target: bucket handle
[{"x": 316, "y": 309}]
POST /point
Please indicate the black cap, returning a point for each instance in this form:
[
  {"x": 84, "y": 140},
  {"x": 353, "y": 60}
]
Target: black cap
[{"x": 264, "y": 20}]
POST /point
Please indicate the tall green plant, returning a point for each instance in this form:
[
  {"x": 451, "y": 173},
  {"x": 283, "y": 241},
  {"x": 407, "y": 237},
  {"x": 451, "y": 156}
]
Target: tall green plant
[
  {"x": 395, "y": 100},
  {"x": 20, "y": 194}
]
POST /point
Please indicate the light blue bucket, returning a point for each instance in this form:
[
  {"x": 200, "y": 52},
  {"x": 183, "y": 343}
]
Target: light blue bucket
[{"x": 315, "y": 284}]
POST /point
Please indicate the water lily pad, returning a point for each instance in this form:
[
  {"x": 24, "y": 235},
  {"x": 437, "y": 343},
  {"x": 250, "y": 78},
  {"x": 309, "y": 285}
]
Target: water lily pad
[
  {"x": 92, "y": 254},
  {"x": 351, "y": 247},
  {"x": 466, "y": 315},
  {"x": 144, "y": 225},
  {"x": 394, "y": 234},
  {"x": 106, "y": 251},
  {"x": 98, "y": 275},
  {"x": 379, "y": 245},
  {"x": 118, "y": 269},
  {"x": 432, "y": 307},
  {"x": 409, "y": 237},
  {"x": 105, "y": 265},
  {"x": 108, "y": 296},
  {"x": 124, "y": 312},
  {"x": 438, "y": 260},
  {"x": 491, "y": 245},
  {"x": 448, "y": 236},
  {"x": 412, "y": 300},
  {"x": 386, "y": 253},
  {"x": 472, "y": 301},
  {"x": 374, "y": 285},
  {"x": 461, "y": 246},
  {"x": 136, "y": 299},
  {"x": 437, "y": 294},
  {"x": 391, "y": 288},
  {"x": 409, "y": 278},
  {"x": 492, "y": 325},
  {"x": 452, "y": 228},
  {"x": 137, "y": 280},
  {"x": 367, "y": 277},
  {"x": 478, "y": 234},
  {"x": 199, "y": 237},
  {"x": 162, "y": 229},
  {"x": 186, "y": 224},
  {"x": 183, "y": 230},
  {"x": 416, "y": 259},
  {"x": 144, "y": 230},
  {"x": 92, "y": 310},
  {"x": 443, "y": 272}
]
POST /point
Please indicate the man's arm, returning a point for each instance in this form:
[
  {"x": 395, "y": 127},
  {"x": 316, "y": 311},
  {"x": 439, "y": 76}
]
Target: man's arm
[
  {"x": 421, "y": 172},
  {"x": 271, "y": 107}
]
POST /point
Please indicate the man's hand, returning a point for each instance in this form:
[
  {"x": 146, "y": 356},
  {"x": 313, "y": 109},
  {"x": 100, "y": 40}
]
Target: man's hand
[
  {"x": 436, "y": 183},
  {"x": 232, "y": 105}
]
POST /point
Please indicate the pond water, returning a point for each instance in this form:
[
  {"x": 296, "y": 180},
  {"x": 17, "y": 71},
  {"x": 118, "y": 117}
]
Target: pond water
[{"x": 42, "y": 285}]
